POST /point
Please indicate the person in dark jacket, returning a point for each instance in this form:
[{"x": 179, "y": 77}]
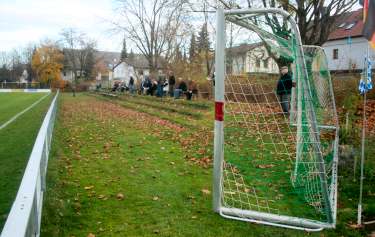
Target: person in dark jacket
[
  {"x": 171, "y": 83},
  {"x": 284, "y": 89},
  {"x": 153, "y": 87},
  {"x": 160, "y": 84},
  {"x": 131, "y": 85},
  {"x": 183, "y": 87}
]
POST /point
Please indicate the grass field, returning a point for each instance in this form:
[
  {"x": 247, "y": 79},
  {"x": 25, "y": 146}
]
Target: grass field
[
  {"x": 139, "y": 166},
  {"x": 13, "y": 103},
  {"x": 17, "y": 140}
]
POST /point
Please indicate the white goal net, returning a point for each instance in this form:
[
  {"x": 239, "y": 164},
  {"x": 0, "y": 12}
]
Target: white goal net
[{"x": 275, "y": 142}]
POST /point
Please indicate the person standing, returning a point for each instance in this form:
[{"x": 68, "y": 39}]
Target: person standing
[
  {"x": 171, "y": 83},
  {"x": 131, "y": 85},
  {"x": 160, "y": 84},
  {"x": 284, "y": 89},
  {"x": 189, "y": 92},
  {"x": 183, "y": 87}
]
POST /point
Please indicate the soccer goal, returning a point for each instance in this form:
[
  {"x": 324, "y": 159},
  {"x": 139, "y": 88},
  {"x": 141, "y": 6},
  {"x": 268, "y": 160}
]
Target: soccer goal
[{"x": 272, "y": 166}]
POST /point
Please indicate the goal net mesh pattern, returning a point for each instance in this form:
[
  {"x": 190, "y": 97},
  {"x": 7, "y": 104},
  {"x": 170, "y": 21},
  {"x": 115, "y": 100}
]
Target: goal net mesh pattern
[{"x": 276, "y": 162}]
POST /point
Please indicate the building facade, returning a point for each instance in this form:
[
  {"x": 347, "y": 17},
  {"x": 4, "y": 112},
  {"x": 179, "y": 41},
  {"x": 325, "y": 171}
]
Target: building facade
[
  {"x": 250, "y": 58},
  {"x": 346, "y": 48}
]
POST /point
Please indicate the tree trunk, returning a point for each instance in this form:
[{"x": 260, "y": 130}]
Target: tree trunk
[{"x": 74, "y": 84}]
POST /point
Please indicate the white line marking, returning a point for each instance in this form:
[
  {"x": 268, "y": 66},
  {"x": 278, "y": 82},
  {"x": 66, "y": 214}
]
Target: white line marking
[{"x": 22, "y": 112}]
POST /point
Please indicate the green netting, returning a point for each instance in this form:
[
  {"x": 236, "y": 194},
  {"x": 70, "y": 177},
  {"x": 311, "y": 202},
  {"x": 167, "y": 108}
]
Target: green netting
[{"x": 275, "y": 162}]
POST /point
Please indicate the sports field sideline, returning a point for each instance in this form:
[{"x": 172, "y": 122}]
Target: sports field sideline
[{"x": 21, "y": 115}]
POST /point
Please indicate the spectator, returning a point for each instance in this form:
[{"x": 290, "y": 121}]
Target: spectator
[
  {"x": 171, "y": 83},
  {"x": 146, "y": 86},
  {"x": 284, "y": 89},
  {"x": 123, "y": 87},
  {"x": 131, "y": 85},
  {"x": 166, "y": 88},
  {"x": 153, "y": 87},
  {"x": 182, "y": 86},
  {"x": 160, "y": 85},
  {"x": 189, "y": 92},
  {"x": 115, "y": 86}
]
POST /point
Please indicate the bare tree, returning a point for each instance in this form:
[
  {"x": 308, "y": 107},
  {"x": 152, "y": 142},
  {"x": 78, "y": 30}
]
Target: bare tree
[
  {"x": 315, "y": 18},
  {"x": 153, "y": 26},
  {"x": 77, "y": 50}
]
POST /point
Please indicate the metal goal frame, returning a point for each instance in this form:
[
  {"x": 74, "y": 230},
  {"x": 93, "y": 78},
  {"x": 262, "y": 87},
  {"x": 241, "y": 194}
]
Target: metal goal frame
[{"x": 330, "y": 197}]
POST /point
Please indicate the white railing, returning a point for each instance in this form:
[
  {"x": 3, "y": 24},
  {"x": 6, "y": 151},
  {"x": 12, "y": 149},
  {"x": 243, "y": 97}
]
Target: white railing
[
  {"x": 23, "y": 85},
  {"x": 24, "y": 218}
]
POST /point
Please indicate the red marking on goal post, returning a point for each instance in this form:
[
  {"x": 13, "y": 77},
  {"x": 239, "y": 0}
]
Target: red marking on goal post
[{"x": 219, "y": 111}]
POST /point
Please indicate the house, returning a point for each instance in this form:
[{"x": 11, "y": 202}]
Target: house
[
  {"x": 141, "y": 65},
  {"x": 24, "y": 76},
  {"x": 346, "y": 47},
  {"x": 109, "y": 67},
  {"x": 250, "y": 58},
  {"x": 123, "y": 71}
]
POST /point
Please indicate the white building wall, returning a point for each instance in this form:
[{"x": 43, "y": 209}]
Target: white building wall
[
  {"x": 67, "y": 75},
  {"x": 350, "y": 56},
  {"x": 238, "y": 65},
  {"x": 251, "y": 62},
  {"x": 123, "y": 72},
  {"x": 248, "y": 64}
]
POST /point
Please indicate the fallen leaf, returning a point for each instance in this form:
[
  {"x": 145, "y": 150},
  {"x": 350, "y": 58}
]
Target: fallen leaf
[
  {"x": 120, "y": 196},
  {"x": 89, "y": 187},
  {"x": 206, "y": 191},
  {"x": 265, "y": 166}
]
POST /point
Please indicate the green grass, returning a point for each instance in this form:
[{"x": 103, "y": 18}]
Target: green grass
[
  {"x": 17, "y": 140},
  {"x": 15, "y": 102},
  {"x": 101, "y": 149}
]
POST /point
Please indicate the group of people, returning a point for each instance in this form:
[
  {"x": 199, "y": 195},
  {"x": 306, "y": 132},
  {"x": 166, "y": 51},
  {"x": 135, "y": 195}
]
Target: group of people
[
  {"x": 162, "y": 86},
  {"x": 122, "y": 86}
]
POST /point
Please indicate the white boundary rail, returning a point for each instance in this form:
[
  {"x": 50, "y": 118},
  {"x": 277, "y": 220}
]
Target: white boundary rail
[
  {"x": 25, "y": 90},
  {"x": 25, "y": 216}
]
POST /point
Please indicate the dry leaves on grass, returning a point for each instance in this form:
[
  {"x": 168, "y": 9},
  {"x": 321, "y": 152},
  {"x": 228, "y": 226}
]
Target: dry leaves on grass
[
  {"x": 206, "y": 191},
  {"x": 265, "y": 166},
  {"x": 89, "y": 187},
  {"x": 120, "y": 196}
]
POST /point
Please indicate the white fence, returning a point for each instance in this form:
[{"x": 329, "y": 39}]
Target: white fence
[
  {"x": 23, "y": 85},
  {"x": 25, "y": 216}
]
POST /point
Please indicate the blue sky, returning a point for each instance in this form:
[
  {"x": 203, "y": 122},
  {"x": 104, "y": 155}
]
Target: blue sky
[{"x": 24, "y": 21}]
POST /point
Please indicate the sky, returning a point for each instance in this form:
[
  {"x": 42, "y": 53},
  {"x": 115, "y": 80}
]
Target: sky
[{"x": 30, "y": 21}]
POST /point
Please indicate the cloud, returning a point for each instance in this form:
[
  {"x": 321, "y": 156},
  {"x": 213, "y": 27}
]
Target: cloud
[{"x": 23, "y": 21}]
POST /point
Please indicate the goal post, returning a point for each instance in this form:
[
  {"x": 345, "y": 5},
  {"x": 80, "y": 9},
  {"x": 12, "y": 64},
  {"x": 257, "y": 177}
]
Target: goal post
[{"x": 259, "y": 147}]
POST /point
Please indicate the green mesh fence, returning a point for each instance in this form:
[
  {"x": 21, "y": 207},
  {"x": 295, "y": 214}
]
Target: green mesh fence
[{"x": 275, "y": 162}]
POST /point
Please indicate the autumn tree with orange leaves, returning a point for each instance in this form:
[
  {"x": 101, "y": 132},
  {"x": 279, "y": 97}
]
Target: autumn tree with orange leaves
[{"x": 47, "y": 64}]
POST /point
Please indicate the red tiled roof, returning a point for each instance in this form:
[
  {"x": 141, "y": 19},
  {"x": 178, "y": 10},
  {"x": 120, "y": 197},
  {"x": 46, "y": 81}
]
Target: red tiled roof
[{"x": 355, "y": 18}]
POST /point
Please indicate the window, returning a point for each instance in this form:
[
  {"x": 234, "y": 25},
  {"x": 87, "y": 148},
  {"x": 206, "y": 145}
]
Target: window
[
  {"x": 265, "y": 63},
  {"x": 342, "y": 25},
  {"x": 257, "y": 63},
  {"x": 349, "y": 26},
  {"x": 335, "y": 53}
]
